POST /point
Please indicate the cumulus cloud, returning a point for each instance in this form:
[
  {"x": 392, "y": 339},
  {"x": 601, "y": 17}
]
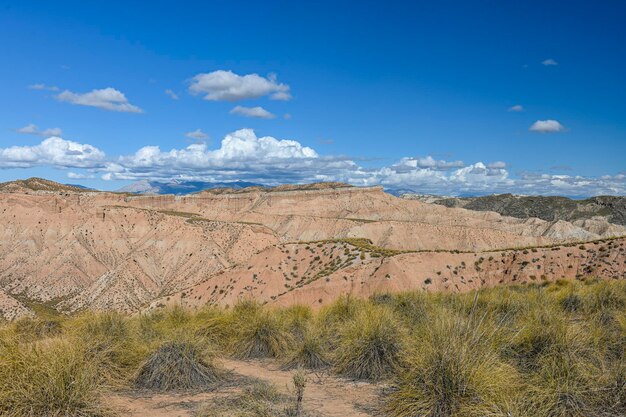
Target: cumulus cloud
[
  {"x": 427, "y": 162},
  {"x": 496, "y": 165},
  {"x": 549, "y": 62},
  {"x": 171, "y": 94},
  {"x": 105, "y": 98},
  {"x": 517, "y": 108},
  {"x": 258, "y": 112},
  {"x": 242, "y": 155},
  {"x": 547, "y": 126},
  {"x": 43, "y": 87},
  {"x": 55, "y": 152},
  {"x": 32, "y": 129},
  {"x": 80, "y": 176},
  {"x": 197, "y": 134},
  {"x": 227, "y": 86}
]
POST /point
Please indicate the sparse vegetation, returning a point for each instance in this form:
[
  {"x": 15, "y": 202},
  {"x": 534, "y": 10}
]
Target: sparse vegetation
[{"x": 545, "y": 349}]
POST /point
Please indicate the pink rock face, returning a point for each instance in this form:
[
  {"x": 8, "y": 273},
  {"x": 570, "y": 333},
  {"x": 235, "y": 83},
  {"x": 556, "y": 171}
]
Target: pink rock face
[{"x": 76, "y": 250}]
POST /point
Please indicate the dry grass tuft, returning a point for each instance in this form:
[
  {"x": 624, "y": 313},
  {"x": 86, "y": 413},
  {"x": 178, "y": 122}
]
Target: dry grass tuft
[
  {"x": 454, "y": 370},
  {"x": 177, "y": 366},
  {"x": 369, "y": 345},
  {"x": 259, "y": 333},
  {"x": 308, "y": 353},
  {"x": 55, "y": 377}
]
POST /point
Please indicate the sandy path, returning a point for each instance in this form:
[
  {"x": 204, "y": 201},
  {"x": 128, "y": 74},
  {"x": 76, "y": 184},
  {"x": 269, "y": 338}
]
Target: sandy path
[{"x": 328, "y": 396}]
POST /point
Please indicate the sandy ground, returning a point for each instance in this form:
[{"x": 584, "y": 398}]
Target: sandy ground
[{"x": 327, "y": 395}]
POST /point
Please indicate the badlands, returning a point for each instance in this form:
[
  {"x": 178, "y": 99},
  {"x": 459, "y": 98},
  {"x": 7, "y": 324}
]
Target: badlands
[{"x": 68, "y": 249}]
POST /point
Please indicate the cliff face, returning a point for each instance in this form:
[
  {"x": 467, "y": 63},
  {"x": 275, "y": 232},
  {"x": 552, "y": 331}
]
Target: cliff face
[{"x": 115, "y": 251}]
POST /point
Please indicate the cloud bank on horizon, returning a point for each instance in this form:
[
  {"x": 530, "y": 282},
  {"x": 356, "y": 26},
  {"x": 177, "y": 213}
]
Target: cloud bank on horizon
[{"x": 242, "y": 155}]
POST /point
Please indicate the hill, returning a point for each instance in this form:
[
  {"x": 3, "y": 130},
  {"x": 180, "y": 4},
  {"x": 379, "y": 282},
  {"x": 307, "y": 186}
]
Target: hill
[
  {"x": 70, "y": 250},
  {"x": 40, "y": 184},
  {"x": 611, "y": 208}
]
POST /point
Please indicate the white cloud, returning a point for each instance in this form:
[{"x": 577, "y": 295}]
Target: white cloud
[
  {"x": 517, "y": 108},
  {"x": 227, "y": 86},
  {"x": 241, "y": 154},
  {"x": 547, "y": 126},
  {"x": 497, "y": 165},
  {"x": 32, "y": 129},
  {"x": 171, "y": 94},
  {"x": 43, "y": 87},
  {"x": 197, "y": 134},
  {"x": 55, "y": 152},
  {"x": 549, "y": 62},
  {"x": 244, "y": 156},
  {"x": 105, "y": 98},
  {"x": 80, "y": 176},
  {"x": 258, "y": 112},
  {"x": 427, "y": 162}
]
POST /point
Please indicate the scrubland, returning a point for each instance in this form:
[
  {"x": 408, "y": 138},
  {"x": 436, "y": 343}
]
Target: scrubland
[{"x": 550, "y": 350}]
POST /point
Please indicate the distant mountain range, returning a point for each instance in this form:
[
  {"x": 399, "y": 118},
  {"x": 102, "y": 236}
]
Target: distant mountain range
[
  {"x": 179, "y": 187},
  {"x": 613, "y": 209}
]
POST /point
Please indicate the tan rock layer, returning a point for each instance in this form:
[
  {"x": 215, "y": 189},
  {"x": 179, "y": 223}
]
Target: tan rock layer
[{"x": 115, "y": 251}]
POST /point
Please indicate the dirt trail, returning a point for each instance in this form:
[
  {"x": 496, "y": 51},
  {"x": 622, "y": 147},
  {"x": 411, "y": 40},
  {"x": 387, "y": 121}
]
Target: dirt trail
[{"x": 326, "y": 395}]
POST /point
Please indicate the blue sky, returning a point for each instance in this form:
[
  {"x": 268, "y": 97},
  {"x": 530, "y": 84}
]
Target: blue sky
[{"x": 412, "y": 95}]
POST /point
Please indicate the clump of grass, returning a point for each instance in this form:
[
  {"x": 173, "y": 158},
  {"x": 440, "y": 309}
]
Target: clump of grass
[
  {"x": 110, "y": 336},
  {"x": 333, "y": 316},
  {"x": 453, "y": 370},
  {"x": 34, "y": 328},
  {"x": 542, "y": 331},
  {"x": 52, "y": 377},
  {"x": 297, "y": 319},
  {"x": 605, "y": 296},
  {"x": 261, "y": 399},
  {"x": 571, "y": 302},
  {"x": 259, "y": 333},
  {"x": 411, "y": 306},
  {"x": 565, "y": 385},
  {"x": 308, "y": 352},
  {"x": 213, "y": 324},
  {"x": 369, "y": 345},
  {"x": 176, "y": 366}
]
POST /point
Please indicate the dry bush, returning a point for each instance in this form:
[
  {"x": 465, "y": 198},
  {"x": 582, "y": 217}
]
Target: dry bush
[{"x": 176, "y": 366}]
